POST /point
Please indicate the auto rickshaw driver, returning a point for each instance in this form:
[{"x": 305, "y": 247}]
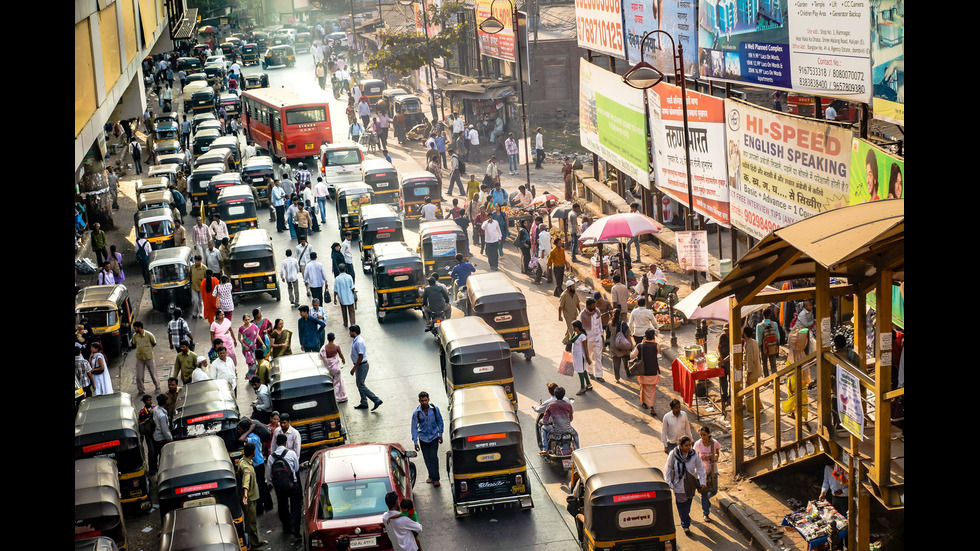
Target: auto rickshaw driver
[{"x": 435, "y": 302}]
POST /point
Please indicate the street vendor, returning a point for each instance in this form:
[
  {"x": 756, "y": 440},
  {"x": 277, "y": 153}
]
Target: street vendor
[
  {"x": 524, "y": 197},
  {"x": 835, "y": 483}
]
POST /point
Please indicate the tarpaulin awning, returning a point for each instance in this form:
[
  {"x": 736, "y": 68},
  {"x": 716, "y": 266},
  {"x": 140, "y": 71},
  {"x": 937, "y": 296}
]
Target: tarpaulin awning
[{"x": 477, "y": 90}]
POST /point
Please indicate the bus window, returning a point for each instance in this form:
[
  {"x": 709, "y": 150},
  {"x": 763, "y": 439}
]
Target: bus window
[{"x": 306, "y": 116}]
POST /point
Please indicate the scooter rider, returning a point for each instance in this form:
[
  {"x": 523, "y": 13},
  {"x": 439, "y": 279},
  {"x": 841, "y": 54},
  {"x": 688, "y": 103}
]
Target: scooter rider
[
  {"x": 557, "y": 417},
  {"x": 460, "y": 273},
  {"x": 435, "y": 300}
]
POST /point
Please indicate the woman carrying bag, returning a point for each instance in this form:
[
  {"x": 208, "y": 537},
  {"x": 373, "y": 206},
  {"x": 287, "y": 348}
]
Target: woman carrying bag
[
  {"x": 620, "y": 343},
  {"x": 647, "y": 368},
  {"x": 685, "y": 474},
  {"x": 580, "y": 356}
]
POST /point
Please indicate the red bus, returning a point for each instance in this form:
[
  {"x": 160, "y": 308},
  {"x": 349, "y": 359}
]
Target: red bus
[{"x": 286, "y": 123}]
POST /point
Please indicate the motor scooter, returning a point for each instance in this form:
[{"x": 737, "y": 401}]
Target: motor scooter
[{"x": 558, "y": 450}]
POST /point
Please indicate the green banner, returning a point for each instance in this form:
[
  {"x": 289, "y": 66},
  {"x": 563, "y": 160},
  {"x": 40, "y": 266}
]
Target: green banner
[{"x": 622, "y": 130}]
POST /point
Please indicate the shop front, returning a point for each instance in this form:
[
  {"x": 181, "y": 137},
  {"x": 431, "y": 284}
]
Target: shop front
[{"x": 492, "y": 108}]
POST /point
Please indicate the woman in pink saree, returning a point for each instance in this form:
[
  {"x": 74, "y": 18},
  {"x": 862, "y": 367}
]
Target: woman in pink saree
[{"x": 333, "y": 358}]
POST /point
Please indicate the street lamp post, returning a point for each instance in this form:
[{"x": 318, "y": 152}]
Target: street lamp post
[
  {"x": 492, "y": 25},
  {"x": 643, "y": 76}
]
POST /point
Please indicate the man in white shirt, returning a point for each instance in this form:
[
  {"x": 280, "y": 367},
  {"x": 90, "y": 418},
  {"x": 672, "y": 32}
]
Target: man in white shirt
[
  {"x": 289, "y": 273},
  {"x": 524, "y": 197},
  {"x": 212, "y": 258},
  {"x": 222, "y": 368},
  {"x": 641, "y": 319},
  {"x": 219, "y": 230},
  {"x": 492, "y": 237},
  {"x": 544, "y": 243},
  {"x": 538, "y": 147},
  {"x": 345, "y": 249},
  {"x": 290, "y": 499},
  {"x": 200, "y": 372},
  {"x": 459, "y": 125},
  {"x": 315, "y": 277},
  {"x": 474, "y": 138},
  {"x": 676, "y": 424},
  {"x": 401, "y": 529},
  {"x": 428, "y": 209},
  {"x": 293, "y": 440},
  {"x": 321, "y": 192}
]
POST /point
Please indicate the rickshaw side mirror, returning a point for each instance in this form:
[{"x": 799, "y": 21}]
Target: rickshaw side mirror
[
  {"x": 411, "y": 454},
  {"x": 304, "y": 465}
]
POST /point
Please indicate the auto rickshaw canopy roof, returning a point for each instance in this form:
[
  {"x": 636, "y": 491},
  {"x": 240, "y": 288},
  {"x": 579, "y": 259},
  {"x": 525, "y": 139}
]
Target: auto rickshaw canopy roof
[
  {"x": 429, "y": 227},
  {"x": 204, "y": 399},
  {"x": 493, "y": 292},
  {"x": 97, "y": 489},
  {"x": 206, "y": 527},
  {"x": 235, "y": 192},
  {"x": 207, "y": 134},
  {"x": 172, "y": 255},
  {"x": 378, "y": 214},
  {"x": 482, "y": 410},
  {"x": 155, "y": 196},
  {"x": 230, "y": 178},
  {"x": 251, "y": 240},
  {"x": 168, "y": 169},
  {"x": 104, "y": 418},
  {"x": 195, "y": 460},
  {"x": 417, "y": 176},
  {"x": 299, "y": 375},
  {"x": 373, "y": 167},
  {"x": 101, "y": 296},
  {"x": 154, "y": 215},
  {"x": 144, "y": 186},
  {"x": 604, "y": 459},
  {"x": 258, "y": 162},
  {"x": 470, "y": 339},
  {"x": 353, "y": 188},
  {"x": 387, "y": 254}
]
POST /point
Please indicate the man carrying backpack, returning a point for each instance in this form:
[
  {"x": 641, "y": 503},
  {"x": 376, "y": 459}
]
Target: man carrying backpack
[
  {"x": 427, "y": 427},
  {"x": 143, "y": 250},
  {"x": 281, "y": 474},
  {"x": 258, "y": 434},
  {"x": 767, "y": 335}
]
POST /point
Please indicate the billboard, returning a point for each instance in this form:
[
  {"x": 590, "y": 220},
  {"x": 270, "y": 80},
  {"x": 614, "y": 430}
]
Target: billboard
[
  {"x": 612, "y": 121},
  {"x": 783, "y": 168},
  {"x": 706, "y": 128},
  {"x": 822, "y": 49},
  {"x": 500, "y": 45},
  {"x": 600, "y": 26},
  {"x": 875, "y": 173},
  {"x": 676, "y": 17},
  {"x": 888, "y": 60}
]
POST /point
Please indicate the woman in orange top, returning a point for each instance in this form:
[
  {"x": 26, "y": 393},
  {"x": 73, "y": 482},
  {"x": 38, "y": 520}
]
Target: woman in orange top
[{"x": 210, "y": 302}]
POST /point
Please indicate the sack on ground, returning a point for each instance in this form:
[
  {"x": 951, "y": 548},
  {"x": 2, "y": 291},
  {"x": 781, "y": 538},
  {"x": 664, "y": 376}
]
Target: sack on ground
[{"x": 565, "y": 366}]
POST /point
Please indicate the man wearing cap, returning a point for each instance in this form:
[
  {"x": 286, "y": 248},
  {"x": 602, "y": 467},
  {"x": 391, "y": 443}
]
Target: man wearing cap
[
  {"x": 473, "y": 137},
  {"x": 569, "y": 306}
]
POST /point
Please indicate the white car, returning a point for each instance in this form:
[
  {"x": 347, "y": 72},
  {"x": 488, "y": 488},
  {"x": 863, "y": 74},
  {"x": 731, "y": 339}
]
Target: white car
[
  {"x": 219, "y": 59},
  {"x": 338, "y": 39}
]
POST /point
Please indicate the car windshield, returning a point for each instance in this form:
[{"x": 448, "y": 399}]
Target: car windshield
[
  {"x": 343, "y": 157},
  {"x": 353, "y": 498}
]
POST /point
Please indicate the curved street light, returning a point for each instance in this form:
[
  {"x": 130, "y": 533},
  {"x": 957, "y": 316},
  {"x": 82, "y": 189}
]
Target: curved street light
[{"x": 492, "y": 25}]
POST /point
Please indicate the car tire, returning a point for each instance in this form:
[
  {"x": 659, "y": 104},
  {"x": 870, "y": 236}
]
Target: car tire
[{"x": 412, "y": 473}]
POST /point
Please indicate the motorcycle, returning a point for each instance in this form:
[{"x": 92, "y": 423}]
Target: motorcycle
[{"x": 559, "y": 448}]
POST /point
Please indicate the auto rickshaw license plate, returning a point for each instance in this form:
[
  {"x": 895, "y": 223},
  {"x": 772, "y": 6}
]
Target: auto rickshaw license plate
[
  {"x": 335, "y": 434},
  {"x": 270, "y": 285},
  {"x": 518, "y": 489},
  {"x": 524, "y": 343}
]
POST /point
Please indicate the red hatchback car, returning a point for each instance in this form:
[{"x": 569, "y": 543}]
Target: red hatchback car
[{"x": 345, "y": 494}]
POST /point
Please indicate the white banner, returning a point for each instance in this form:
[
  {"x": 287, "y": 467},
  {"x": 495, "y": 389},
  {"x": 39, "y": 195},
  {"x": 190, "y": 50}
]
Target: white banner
[
  {"x": 849, "y": 402},
  {"x": 600, "y": 26},
  {"x": 692, "y": 250}
]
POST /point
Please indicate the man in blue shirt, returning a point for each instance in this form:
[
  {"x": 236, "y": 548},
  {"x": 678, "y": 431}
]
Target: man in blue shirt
[
  {"x": 307, "y": 330},
  {"x": 499, "y": 196},
  {"x": 358, "y": 354},
  {"x": 427, "y": 435},
  {"x": 461, "y": 271},
  {"x": 246, "y": 433},
  {"x": 345, "y": 294}
]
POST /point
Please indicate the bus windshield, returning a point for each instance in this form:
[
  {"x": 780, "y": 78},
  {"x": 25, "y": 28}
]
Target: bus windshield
[{"x": 306, "y": 115}]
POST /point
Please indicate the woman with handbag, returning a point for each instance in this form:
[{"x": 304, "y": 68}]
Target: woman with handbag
[
  {"x": 709, "y": 450},
  {"x": 647, "y": 368},
  {"x": 685, "y": 474},
  {"x": 620, "y": 343},
  {"x": 580, "y": 355}
]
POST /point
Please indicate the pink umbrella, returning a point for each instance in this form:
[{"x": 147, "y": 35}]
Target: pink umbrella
[
  {"x": 544, "y": 198},
  {"x": 619, "y": 226}
]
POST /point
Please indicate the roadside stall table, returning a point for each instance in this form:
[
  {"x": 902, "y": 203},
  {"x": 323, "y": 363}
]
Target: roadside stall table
[
  {"x": 813, "y": 523},
  {"x": 687, "y": 373}
]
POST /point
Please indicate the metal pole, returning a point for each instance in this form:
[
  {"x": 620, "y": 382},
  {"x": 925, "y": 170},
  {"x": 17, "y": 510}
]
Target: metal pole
[
  {"x": 689, "y": 221},
  {"x": 353, "y": 35},
  {"x": 520, "y": 80},
  {"x": 429, "y": 68}
]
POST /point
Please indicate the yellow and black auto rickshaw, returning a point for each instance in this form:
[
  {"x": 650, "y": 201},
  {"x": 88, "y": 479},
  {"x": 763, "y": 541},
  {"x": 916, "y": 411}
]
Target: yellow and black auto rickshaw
[
  {"x": 351, "y": 196},
  {"x": 253, "y": 265},
  {"x": 379, "y": 224},
  {"x": 407, "y": 114},
  {"x": 203, "y": 100},
  {"x": 201, "y": 142},
  {"x": 217, "y": 155},
  {"x": 373, "y": 89},
  {"x": 199, "y": 472},
  {"x": 197, "y": 182},
  {"x": 232, "y": 104},
  {"x": 383, "y": 178},
  {"x": 107, "y": 310},
  {"x": 168, "y": 170},
  {"x": 486, "y": 463},
  {"x": 250, "y": 54},
  {"x": 208, "y": 408},
  {"x": 439, "y": 243},
  {"x": 236, "y": 205},
  {"x": 230, "y": 144},
  {"x": 190, "y": 65},
  {"x": 398, "y": 278},
  {"x": 255, "y": 171},
  {"x": 154, "y": 200},
  {"x": 165, "y": 127},
  {"x": 215, "y": 73},
  {"x": 303, "y": 41},
  {"x": 170, "y": 279},
  {"x": 279, "y": 56},
  {"x": 227, "y": 49},
  {"x": 106, "y": 426},
  {"x": 261, "y": 39},
  {"x": 155, "y": 182},
  {"x": 502, "y": 305},
  {"x": 471, "y": 354},
  {"x": 414, "y": 187},
  {"x": 200, "y": 118},
  {"x": 215, "y": 185},
  {"x": 158, "y": 227},
  {"x": 201, "y": 527},
  {"x": 302, "y": 386},
  {"x": 166, "y": 147},
  {"x": 256, "y": 80},
  {"x": 620, "y": 501},
  {"x": 98, "y": 509}
]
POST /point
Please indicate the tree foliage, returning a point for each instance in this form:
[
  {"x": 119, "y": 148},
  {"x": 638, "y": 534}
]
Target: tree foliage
[{"x": 407, "y": 51}]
